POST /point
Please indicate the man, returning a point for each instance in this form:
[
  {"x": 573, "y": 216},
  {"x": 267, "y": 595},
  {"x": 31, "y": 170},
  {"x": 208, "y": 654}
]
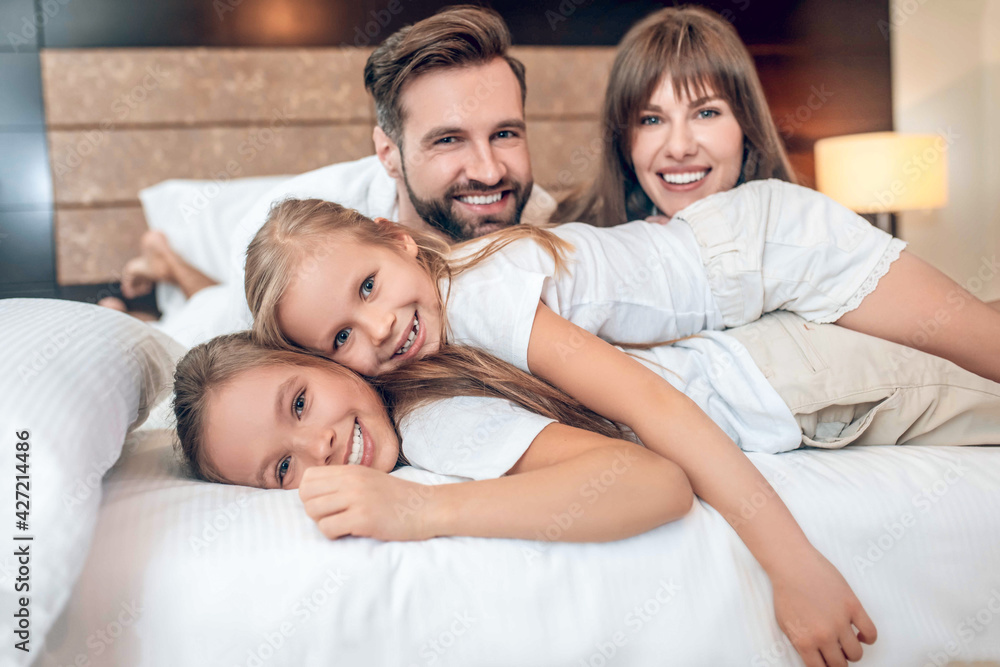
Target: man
[{"x": 451, "y": 153}]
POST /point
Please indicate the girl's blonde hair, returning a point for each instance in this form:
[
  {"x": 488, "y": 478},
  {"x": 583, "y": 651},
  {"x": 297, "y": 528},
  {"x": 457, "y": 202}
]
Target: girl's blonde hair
[
  {"x": 298, "y": 234},
  {"x": 453, "y": 371},
  {"x": 696, "y": 49}
]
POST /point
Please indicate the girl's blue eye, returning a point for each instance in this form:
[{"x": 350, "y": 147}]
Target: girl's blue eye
[
  {"x": 711, "y": 113},
  {"x": 368, "y": 285},
  {"x": 648, "y": 120},
  {"x": 299, "y": 404},
  {"x": 283, "y": 469},
  {"x": 341, "y": 338}
]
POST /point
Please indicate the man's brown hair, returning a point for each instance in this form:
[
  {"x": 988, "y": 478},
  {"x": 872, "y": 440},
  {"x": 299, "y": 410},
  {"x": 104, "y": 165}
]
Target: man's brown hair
[{"x": 457, "y": 36}]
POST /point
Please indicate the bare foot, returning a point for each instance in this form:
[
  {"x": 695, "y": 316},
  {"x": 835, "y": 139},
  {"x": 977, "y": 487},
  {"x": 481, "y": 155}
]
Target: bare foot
[
  {"x": 114, "y": 303},
  {"x": 153, "y": 265}
]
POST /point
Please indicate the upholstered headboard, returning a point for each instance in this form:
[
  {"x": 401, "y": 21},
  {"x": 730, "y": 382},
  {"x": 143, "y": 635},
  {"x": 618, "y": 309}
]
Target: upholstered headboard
[{"x": 120, "y": 120}]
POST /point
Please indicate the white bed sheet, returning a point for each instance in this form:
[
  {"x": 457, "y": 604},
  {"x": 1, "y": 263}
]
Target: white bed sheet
[{"x": 189, "y": 573}]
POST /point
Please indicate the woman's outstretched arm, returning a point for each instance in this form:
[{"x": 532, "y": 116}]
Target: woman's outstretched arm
[
  {"x": 580, "y": 485},
  {"x": 814, "y": 605},
  {"x": 916, "y": 305}
]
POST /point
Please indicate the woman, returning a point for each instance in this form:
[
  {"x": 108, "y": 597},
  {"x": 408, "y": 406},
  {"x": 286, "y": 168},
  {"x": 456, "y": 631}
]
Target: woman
[
  {"x": 664, "y": 67},
  {"x": 685, "y": 117}
]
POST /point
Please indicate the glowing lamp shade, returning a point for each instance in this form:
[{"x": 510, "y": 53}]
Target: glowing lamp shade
[{"x": 884, "y": 172}]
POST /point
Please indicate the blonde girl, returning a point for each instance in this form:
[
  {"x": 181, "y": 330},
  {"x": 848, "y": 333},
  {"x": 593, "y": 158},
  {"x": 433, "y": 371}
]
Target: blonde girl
[{"x": 237, "y": 403}]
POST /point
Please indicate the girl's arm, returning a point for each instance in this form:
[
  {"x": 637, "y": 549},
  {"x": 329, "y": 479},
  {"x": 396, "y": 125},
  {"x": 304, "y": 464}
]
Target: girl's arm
[
  {"x": 813, "y": 603},
  {"x": 914, "y": 304},
  {"x": 571, "y": 483}
]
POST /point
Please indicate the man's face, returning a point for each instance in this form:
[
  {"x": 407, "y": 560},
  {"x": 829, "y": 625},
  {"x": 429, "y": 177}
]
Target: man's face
[{"x": 464, "y": 152}]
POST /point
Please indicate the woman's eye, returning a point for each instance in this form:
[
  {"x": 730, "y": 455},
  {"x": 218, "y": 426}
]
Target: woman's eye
[
  {"x": 283, "y": 469},
  {"x": 708, "y": 113},
  {"x": 367, "y": 286},
  {"x": 300, "y": 403},
  {"x": 341, "y": 338},
  {"x": 648, "y": 120}
]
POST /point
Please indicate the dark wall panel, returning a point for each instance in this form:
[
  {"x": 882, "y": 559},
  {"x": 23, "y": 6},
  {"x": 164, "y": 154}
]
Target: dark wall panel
[{"x": 27, "y": 258}]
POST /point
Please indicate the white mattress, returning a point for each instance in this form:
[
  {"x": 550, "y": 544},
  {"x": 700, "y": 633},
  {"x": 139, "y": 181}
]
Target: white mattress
[{"x": 189, "y": 573}]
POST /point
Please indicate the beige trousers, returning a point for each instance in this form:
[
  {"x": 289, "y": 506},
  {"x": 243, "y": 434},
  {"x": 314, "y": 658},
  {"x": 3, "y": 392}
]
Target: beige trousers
[{"x": 849, "y": 388}]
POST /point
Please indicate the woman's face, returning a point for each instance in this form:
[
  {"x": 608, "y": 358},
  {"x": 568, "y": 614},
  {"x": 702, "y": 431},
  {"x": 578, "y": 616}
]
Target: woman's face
[
  {"x": 684, "y": 150},
  {"x": 370, "y": 308},
  {"x": 266, "y": 426}
]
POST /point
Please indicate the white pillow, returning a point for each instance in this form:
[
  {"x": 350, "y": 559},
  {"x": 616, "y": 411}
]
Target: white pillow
[
  {"x": 74, "y": 379},
  {"x": 198, "y": 218}
]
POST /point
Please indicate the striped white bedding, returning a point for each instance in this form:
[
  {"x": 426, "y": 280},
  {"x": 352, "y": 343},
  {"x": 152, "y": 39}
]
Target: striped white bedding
[{"x": 188, "y": 573}]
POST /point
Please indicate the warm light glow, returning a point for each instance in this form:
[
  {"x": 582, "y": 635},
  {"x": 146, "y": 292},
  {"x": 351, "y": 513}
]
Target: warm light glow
[{"x": 884, "y": 172}]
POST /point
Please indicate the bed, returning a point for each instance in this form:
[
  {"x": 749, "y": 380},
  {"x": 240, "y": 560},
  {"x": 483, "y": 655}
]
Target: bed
[
  {"x": 150, "y": 567},
  {"x": 204, "y": 574}
]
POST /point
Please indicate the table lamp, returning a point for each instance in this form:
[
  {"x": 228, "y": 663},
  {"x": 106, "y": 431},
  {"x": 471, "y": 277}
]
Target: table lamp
[{"x": 883, "y": 172}]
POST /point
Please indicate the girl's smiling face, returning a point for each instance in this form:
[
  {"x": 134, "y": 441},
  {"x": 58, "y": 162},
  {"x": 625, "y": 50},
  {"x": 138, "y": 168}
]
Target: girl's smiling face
[
  {"x": 684, "y": 150},
  {"x": 368, "y": 307},
  {"x": 270, "y": 423}
]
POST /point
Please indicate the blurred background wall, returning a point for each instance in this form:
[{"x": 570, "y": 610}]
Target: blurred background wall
[{"x": 946, "y": 79}]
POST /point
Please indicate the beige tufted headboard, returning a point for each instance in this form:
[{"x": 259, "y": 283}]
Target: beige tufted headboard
[{"x": 120, "y": 120}]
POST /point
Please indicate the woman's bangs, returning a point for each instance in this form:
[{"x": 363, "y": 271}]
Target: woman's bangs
[{"x": 690, "y": 67}]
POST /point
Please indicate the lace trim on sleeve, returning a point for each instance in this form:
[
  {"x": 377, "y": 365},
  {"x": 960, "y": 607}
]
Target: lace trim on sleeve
[{"x": 890, "y": 255}]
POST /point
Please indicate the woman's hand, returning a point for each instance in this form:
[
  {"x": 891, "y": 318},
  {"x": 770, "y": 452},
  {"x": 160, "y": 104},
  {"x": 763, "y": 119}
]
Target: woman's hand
[
  {"x": 815, "y": 608},
  {"x": 360, "y": 501}
]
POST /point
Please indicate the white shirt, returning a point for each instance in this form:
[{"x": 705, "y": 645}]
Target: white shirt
[
  {"x": 478, "y": 437},
  {"x": 762, "y": 246}
]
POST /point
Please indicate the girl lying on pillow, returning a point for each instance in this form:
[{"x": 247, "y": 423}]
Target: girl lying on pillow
[
  {"x": 241, "y": 409},
  {"x": 376, "y": 298}
]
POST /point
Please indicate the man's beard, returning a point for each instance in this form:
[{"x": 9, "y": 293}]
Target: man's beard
[{"x": 440, "y": 214}]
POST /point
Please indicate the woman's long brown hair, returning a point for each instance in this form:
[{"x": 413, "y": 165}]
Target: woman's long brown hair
[{"x": 698, "y": 50}]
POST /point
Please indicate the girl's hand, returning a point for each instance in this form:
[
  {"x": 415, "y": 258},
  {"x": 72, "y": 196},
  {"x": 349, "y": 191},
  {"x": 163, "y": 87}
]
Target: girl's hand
[
  {"x": 815, "y": 608},
  {"x": 360, "y": 501}
]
